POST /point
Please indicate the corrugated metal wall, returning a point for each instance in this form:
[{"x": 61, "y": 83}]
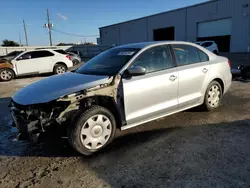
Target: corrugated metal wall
[{"x": 185, "y": 22}]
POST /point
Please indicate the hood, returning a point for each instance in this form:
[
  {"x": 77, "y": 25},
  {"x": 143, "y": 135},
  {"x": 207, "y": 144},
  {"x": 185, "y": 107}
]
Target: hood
[{"x": 53, "y": 87}]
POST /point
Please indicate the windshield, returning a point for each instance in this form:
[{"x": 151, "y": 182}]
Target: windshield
[{"x": 108, "y": 62}]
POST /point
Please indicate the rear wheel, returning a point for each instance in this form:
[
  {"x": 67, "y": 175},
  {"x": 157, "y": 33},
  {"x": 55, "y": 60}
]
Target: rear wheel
[
  {"x": 213, "y": 96},
  {"x": 59, "y": 69},
  {"x": 93, "y": 130},
  {"x": 6, "y": 74}
]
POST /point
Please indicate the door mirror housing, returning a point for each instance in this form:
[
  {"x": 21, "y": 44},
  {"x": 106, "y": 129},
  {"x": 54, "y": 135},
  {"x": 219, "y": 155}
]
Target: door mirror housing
[{"x": 136, "y": 71}]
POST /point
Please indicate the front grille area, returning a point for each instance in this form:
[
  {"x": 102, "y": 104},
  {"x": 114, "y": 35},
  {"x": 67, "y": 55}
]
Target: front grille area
[{"x": 19, "y": 116}]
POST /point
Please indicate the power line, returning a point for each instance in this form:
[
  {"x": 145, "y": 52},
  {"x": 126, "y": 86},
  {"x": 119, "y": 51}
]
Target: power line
[{"x": 73, "y": 34}]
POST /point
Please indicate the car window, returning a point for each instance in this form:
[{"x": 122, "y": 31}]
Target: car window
[
  {"x": 26, "y": 55},
  {"x": 61, "y": 51},
  {"x": 203, "y": 56},
  {"x": 42, "y": 53},
  {"x": 109, "y": 62},
  {"x": 155, "y": 59},
  {"x": 186, "y": 54},
  {"x": 206, "y": 44}
]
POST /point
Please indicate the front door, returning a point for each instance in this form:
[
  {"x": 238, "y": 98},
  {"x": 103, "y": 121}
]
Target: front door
[
  {"x": 25, "y": 64},
  {"x": 154, "y": 94},
  {"x": 193, "y": 67}
]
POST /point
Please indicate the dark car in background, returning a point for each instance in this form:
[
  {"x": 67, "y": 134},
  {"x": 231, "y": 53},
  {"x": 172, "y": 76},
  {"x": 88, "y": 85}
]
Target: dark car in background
[{"x": 10, "y": 55}]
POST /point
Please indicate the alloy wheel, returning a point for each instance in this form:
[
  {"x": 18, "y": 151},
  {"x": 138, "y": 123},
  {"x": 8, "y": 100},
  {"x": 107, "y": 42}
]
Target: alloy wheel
[
  {"x": 6, "y": 75},
  {"x": 60, "y": 70}
]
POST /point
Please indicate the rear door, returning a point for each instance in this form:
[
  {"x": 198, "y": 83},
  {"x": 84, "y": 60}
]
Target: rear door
[
  {"x": 154, "y": 94},
  {"x": 193, "y": 67},
  {"x": 43, "y": 60}
]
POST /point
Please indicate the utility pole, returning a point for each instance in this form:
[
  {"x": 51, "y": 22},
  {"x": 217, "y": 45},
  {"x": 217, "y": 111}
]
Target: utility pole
[
  {"x": 25, "y": 32},
  {"x": 20, "y": 40},
  {"x": 49, "y": 26}
]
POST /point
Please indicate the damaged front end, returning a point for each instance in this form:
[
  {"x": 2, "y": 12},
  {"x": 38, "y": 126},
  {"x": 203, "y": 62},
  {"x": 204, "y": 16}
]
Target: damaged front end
[{"x": 31, "y": 120}]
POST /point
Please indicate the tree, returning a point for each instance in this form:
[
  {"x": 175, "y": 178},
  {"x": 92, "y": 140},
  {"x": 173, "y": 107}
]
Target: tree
[{"x": 9, "y": 43}]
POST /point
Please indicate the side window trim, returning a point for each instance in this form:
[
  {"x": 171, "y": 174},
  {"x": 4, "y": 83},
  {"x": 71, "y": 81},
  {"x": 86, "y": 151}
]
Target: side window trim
[
  {"x": 173, "y": 62},
  {"x": 174, "y": 59}
]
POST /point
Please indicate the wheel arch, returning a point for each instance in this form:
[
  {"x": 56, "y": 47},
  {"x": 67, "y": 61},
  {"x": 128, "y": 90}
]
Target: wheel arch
[
  {"x": 9, "y": 68},
  {"x": 60, "y": 63},
  {"x": 106, "y": 102},
  {"x": 220, "y": 81}
]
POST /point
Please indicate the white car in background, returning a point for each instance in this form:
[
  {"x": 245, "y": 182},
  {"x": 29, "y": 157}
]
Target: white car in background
[
  {"x": 209, "y": 45},
  {"x": 35, "y": 62}
]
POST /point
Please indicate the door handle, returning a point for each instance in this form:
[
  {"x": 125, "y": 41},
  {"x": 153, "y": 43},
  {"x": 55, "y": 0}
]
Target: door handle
[
  {"x": 204, "y": 70},
  {"x": 172, "y": 78}
]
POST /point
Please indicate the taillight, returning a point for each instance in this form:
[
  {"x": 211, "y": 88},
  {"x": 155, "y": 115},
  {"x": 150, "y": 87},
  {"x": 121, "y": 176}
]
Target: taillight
[
  {"x": 68, "y": 57},
  {"x": 229, "y": 63}
]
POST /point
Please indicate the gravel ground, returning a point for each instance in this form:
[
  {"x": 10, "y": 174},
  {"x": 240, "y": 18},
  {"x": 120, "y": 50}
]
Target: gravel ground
[{"x": 189, "y": 149}]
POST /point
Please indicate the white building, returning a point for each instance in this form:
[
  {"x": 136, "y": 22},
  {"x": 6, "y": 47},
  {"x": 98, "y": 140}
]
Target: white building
[{"x": 227, "y": 22}]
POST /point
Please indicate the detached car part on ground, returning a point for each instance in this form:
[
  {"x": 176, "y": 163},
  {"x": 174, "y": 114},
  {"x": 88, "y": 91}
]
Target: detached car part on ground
[
  {"x": 10, "y": 55},
  {"x": 115, "y": 89},
  {"x": 34, "y": 62}
]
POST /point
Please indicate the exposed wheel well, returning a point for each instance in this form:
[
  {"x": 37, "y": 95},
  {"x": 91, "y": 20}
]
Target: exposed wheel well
[
  {"x": 107, "y": 102},
  {"x": 221, "y": 83}
]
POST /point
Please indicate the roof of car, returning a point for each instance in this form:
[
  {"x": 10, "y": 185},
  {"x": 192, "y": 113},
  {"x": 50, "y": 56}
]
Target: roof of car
[{"x": 142, "y": 45}]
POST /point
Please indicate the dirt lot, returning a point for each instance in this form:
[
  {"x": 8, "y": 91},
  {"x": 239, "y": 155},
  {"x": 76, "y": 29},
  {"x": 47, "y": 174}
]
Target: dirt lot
[{"x": 189, "y": 149}]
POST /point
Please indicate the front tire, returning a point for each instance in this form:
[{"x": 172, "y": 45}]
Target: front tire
[
  {"x": 59, "y": 69},
  {"x": 92, "y": 131},
  {"x": 6, "y": 74},
  {"x": 213, "y": 96}
]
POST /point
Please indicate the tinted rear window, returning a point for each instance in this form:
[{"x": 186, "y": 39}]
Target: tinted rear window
[{"x": 61, "y": 51}]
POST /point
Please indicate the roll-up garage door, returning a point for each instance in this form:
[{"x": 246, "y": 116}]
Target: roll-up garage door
[{"x": 218, "y": 31}]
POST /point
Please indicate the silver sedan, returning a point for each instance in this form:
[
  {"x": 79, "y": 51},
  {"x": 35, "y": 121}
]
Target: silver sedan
[{"x": 123, "y": 87}]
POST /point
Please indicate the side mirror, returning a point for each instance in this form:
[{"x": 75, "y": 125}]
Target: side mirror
[{"x": 136, "y": 71}]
